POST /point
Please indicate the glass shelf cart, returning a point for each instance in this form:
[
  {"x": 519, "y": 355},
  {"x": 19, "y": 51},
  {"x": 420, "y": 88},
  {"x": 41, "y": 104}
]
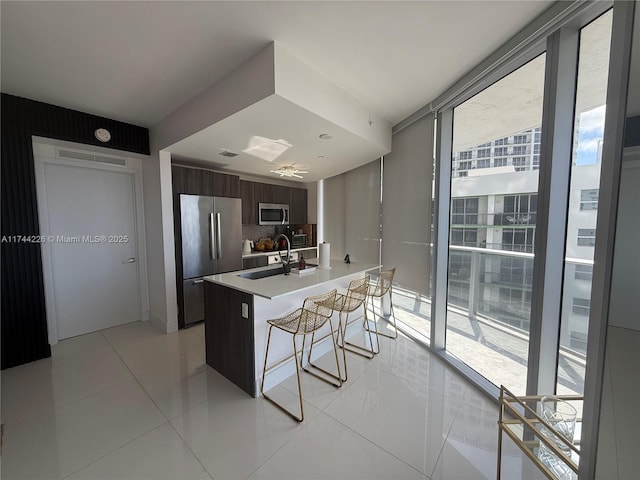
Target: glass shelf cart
[{"x": 520, "y": 419}]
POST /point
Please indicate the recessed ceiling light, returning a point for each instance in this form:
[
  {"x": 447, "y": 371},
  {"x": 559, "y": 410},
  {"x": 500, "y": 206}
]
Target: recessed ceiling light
[
  {"x": 320, "y": 157},
  {"x": 325, "y": 136}
]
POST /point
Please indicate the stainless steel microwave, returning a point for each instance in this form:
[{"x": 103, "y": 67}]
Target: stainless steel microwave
[{"x": 273, "y": 214}]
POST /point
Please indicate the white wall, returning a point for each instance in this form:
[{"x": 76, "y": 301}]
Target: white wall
[
  {"x": 312, "y": 202},
  {"x": 619, "y": 435},
  {"x": 155, "y": 247}
]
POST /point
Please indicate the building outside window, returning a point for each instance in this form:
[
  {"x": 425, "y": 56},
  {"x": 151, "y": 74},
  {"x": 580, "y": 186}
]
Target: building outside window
[
  {"x": 589, "y": 199},
  {"x": 520, "y": 150},
  {"x": 586, "y": 237},
  {"x": 521, "y": 208},
  {"x": 464, "y": 211},
  {"x": 581, "y": 306},
  {"x": 518, "y": 239},
  {"x": 500, "y": 151},
  {"x": 483, "y": 163},
  {"x": 583, "y": 272},
  {"x": 520, "y": 139},
  {"x": 520, "y": 163},
  {"x": 484, "y": 152}
]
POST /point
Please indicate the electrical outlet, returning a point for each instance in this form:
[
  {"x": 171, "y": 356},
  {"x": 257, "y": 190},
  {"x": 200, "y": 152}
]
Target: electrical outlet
[{"x": 245, "y": 310}]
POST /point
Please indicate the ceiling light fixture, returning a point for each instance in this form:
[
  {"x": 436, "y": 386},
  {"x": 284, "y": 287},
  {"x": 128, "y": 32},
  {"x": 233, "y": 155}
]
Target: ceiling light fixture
[{"x": 288, "y": 171}]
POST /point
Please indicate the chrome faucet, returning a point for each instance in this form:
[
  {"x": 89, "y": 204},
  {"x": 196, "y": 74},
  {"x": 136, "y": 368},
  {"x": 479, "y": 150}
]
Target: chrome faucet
[{"x": 285, "y": 261}]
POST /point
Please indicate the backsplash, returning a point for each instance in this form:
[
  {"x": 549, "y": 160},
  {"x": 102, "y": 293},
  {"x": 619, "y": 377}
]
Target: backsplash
[{"x": 256, "y": 232}]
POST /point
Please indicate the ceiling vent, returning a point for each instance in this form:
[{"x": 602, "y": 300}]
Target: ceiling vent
[{"x": 227, "y": 153}]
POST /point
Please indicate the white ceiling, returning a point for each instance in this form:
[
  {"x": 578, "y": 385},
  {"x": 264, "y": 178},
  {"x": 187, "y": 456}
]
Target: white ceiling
[
  {"x": 139, "y": 61},
  {"x": 288, "y": 122}
]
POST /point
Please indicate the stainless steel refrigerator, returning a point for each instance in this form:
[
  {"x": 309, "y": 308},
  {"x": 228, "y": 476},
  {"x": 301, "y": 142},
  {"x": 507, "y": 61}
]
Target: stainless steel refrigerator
[{"x": 211, "y": 230}]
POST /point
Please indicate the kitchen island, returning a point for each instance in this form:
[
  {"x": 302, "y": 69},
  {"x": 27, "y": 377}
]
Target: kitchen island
[{"x": 237, "y": 310}]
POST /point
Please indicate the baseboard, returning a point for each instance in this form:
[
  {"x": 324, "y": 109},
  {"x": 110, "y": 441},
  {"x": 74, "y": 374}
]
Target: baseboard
[{"x": 157, "y": 322}]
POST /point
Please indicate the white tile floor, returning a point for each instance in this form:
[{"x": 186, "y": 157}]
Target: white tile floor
[{"x": 133, "y": 403}]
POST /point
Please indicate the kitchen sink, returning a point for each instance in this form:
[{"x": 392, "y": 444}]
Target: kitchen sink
[{"x": 271, "y": 272}]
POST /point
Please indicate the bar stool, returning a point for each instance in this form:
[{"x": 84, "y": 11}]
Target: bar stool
[
  {"x": 383, "y": 286},
  {"x": 313, "y": 315},
  {"x": 354, "y": 298}
]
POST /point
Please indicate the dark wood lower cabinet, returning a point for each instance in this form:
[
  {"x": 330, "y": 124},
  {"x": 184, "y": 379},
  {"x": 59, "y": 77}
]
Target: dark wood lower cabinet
[
  {"x": 229, "y": 335},
  {"x": 254, "y": 262}
]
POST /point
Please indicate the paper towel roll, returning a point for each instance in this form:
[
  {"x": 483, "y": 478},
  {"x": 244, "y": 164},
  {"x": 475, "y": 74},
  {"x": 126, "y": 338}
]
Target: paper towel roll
[{"x": 324, "y": 255}]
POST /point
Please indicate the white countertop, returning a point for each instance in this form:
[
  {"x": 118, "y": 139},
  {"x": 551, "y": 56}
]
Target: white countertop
[
  {"x": 257, "y": 253},
  {"x": 281, "y": 285}
]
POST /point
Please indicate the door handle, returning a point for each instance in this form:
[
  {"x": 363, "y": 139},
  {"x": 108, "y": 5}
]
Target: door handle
[
  {"x": 218, "y": 236},
  {"x": 197, "y": 281},
  {"x": 130, "y": 260},
  {"x": 212, "y": 239},
  {"x": 284, "y": 216}
]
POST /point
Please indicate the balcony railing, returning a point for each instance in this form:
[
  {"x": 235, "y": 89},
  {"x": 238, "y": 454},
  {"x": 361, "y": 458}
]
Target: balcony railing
[
  {"x": 489, "y": 307},
  {"x": 493, "y": 219}
]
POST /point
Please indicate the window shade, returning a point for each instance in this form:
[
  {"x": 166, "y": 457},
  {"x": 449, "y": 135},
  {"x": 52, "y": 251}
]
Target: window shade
[
  {"x": 406, "y": 205},
  {"x": 351, "y": 213}
]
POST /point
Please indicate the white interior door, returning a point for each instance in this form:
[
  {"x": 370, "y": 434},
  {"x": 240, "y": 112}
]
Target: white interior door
[{"x": 91, "y": 240}]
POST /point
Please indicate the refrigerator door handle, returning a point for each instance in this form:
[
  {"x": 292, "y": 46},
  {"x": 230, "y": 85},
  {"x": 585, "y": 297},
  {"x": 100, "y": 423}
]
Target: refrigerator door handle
[
  {"x": 218, "y": 236},
  {"x": 212, "y": 239}
]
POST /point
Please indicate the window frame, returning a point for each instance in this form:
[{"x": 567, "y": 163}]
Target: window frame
[{"x": 557, "y": 29}]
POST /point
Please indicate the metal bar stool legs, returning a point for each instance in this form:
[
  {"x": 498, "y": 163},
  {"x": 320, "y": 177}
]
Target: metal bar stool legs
[
  {"x": 353, "y": 299},
  {"x": 346, "y": 304},
  {"x": 363, "y": 351},
  {"x": 313, "y": 315},
  {"x": 383, "y": 287},
  {"x": 299, "y": 418},
  {"x": 310, "y": 371}
]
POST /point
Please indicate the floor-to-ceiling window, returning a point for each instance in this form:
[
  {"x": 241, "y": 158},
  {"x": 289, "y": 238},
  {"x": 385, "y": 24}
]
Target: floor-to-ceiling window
[
  {"x": 494, "y": 189},
  {"x": 586, "y": 163}
]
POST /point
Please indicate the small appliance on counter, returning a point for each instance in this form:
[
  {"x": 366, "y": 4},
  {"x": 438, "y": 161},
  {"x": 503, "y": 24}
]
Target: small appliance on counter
[
  {"x": 298, "y": 240},
  {"x": 301, "y": 235}
]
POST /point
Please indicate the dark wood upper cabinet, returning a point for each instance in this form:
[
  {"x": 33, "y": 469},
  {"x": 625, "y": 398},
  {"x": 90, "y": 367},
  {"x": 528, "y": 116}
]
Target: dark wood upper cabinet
[
  {"x": 253, "y": 193},
  {"x": 298, "y": 205},
  {"x": 249, "y": 203},
  {"x": 204, "y": 182},
  {"x": 273, "y": 193}
]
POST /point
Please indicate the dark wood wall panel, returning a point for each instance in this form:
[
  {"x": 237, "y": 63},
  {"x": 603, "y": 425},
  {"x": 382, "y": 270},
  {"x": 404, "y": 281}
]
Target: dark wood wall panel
[{"x": 24, "y": 325}]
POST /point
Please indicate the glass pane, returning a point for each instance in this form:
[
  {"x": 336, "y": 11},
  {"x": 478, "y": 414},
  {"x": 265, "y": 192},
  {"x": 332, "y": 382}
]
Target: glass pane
[
  {"x": 490, "y": 277},
  {"x": 591, "y": 95}
]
